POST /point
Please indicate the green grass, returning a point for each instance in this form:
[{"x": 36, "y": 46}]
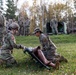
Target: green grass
[{"x": 66, "y": 46}]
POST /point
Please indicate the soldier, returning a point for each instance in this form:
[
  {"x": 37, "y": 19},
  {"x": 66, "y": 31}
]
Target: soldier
[
  {"x": 53, "y": 25},
  {"x": 8, "y": 45},
  {"x": 26, "y": 27},
  {"x": 2, "y": 28},
  {"x": 20, "y": 22},
  {"x": 48, "y": 47}
]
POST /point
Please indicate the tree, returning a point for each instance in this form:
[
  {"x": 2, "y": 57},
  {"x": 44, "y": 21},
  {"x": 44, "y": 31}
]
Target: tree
[
  {"x": 11, "y": 9},
  {"x": 41, "y": 14},
  {"x": 57, "y": 10},
  {"x": 36, "y": 17},
  {"x": 23, "y": 12},
  {"x": 75, "y": 8},
  {"x": 1, "y": 3},
  {"x": 75, "y": 4}
]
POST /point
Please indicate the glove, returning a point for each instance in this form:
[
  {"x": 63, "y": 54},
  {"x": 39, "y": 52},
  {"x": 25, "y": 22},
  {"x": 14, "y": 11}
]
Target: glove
[
  {"x": 22, "y": 47},
  {"x": 25, "y": 50}
]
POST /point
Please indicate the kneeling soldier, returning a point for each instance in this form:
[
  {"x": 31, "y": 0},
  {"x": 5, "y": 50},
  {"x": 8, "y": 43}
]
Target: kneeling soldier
[{"x": 8, "y": 45}]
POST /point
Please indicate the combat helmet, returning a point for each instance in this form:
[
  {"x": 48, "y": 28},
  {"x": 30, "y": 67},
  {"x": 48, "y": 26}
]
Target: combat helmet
[
  {"x": 14, "y": 25},
  {"x": 2, "y": 20},
  {"x": 37, "y": 30}
]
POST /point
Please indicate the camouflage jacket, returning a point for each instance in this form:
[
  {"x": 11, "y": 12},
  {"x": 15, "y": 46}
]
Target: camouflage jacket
[
  {"x": 46, "y": 43},
  {"x": 9, "y": 42}
]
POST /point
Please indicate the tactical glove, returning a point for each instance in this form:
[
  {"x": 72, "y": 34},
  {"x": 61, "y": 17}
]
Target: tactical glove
[{"x": 22, "y": 47}]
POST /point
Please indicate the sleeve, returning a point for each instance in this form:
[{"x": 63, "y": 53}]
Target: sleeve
[
  {"x": 13, "y": 43},
  {"x": 45, "y": 43}
]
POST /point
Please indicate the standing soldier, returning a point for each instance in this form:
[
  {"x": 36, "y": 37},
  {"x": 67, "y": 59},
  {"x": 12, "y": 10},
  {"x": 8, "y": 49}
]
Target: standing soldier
[
  {"x": 2, "y": 28},
  {"x": 54, "y": 25},
  {"x": 26, "y": 27},
  {"x": 8, "y": 45},
  {"x": 20, "y": 22}
]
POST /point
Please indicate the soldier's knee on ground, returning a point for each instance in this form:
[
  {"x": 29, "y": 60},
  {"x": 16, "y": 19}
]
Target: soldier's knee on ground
[{"x": 11, "y": 62}]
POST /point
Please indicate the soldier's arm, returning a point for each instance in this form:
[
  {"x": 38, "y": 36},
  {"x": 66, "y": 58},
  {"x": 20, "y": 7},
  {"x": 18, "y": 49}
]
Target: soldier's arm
[
  {"x": 45, "y": 43},
  {"x": 13, "y": 44}
]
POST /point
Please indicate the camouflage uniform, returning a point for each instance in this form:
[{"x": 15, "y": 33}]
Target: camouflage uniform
[
  {"x": 20, "y": 22},
  {"x": 26, "y": 27},
  {"x": 49, "y": 49},
  {"x": 2, "y": 28},
  {"x": 53, "y": 25},
  {"x": 7, "y": 47}
]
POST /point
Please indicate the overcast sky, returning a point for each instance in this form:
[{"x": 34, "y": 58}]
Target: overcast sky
[
  {"x": 20, "y": 2},
  {"x": 30, "y": 2}
]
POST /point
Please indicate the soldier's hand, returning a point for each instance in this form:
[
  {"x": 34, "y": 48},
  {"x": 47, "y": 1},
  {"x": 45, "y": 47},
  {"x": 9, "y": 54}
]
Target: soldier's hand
[{"x": 22, "y": 47}]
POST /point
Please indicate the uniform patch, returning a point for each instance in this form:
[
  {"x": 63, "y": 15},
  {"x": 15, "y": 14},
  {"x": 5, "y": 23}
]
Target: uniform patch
[{"x": 13, "y": 38}]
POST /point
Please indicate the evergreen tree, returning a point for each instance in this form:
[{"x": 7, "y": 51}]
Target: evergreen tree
[
  {"x": 1, "y": 3},
  {"x": 11, "y": 8}
]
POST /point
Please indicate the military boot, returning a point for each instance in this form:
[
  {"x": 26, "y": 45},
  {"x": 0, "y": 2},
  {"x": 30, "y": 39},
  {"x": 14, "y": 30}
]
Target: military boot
[
  {"x": 63, "y": 59},
  {"x": 15, "y": 63},
  {"x": 57, "y": 65}
]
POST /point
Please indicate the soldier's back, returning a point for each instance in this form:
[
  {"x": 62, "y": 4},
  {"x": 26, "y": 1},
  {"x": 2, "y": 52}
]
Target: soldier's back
[{"x": 2, "y": 28}]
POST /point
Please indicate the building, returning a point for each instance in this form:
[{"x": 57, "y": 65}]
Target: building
[{"x": 62, "y": 28}]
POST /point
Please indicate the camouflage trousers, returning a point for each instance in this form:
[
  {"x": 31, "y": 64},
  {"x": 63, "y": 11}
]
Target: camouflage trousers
[
  {"x": 54, "y": 30},
  {"x": 53, "y": 56},
  {"x": 6, "y": 58},
  {"x": 26, "y": 30}
]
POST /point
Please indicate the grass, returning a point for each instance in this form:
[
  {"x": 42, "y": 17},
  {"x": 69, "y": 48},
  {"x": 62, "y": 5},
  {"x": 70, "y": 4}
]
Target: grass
[{"x": 66, "y": 46}]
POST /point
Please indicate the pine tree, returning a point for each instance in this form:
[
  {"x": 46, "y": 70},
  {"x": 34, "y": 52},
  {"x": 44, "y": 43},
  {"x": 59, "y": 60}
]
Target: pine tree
[
  {"x": 10, "y": 12},
  {"x": 1, "y": 3}
]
